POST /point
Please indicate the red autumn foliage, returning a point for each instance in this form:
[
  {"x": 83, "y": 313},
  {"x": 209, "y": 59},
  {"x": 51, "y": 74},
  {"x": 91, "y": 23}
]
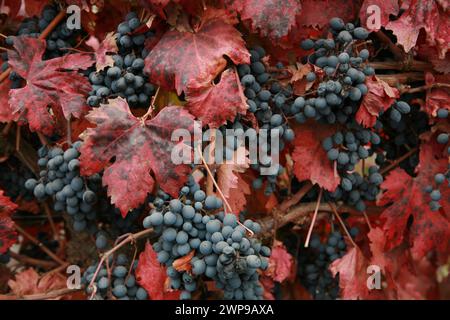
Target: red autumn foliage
[
  {"x": 138, "y": 146},
  {"x": 152, "y": 276},
  {"x": 49, "y": 83}
]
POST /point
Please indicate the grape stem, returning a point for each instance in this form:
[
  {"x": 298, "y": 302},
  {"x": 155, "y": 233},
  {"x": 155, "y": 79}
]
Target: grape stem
[
  {"x": 40, "y": 245},
  {"x": 292, "y": 201},
  {"x": 225, "y": 202},
  {"x": 151, "y": 107},
  {"x": 50, "y": 220},
  {"x": 426, "y": 87},
  {"x": 31, "y": 261},
  {"x": 311, "y": 227},
  {"x": 335, "y": 212},
  {"x": 132, "y": 237},
  {"x": 397, "y": 161}
]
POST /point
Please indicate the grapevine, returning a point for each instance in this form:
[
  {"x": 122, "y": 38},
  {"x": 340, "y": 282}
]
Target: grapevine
[{"x": 175, "y": 150}]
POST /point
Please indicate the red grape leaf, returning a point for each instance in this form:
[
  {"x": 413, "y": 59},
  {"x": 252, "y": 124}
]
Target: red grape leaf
[
  {"x": 231, "y": 183},
  {"x": 427, "y": 15},
  {"x": 29, "y": 282},
  {"x": 429, "y": 53},
  {"x": 8, "y": 235},
  {"x": 49, "y": 83},
  {"x": 180, "y": 59},
  {"x": 216, "y": 104},
  {"x": 352, "y": 269},
  {"x": 268, "y": 284},
  {"x": 387, "y": 8},
  {"x": 310, "y": 159},
  {"x": 6, "y": 114},
  {"x": 429, "y": 230},
  {"x": 317, "y": 13},
  {"x": 272, "y": 18},
  {"x": 402, "y": 281},
  {"x": 151, "y": 275},
  {"x": 437, "y": 98},
  {"x": 138, "y": 146},
  {"x": 281, "y": 263},
  {"x": 15, "y": 8},
  {"x": 380, "y": 97},
  {"x": 108, "y": 45}
]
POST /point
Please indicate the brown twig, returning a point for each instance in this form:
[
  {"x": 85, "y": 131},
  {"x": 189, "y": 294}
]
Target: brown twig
[
  {"x": 335, "y": 212},
  {"x": 48, "y": 213},
  {"x": 308, "y": 237},
  {"x": 18, "y": 135},
  {"x": 400, "y": 78},
  {"x": 292, "y": 201},
  {"x": 40, "y": 245},
  {"x": 397, "y": 161},
  {"x": 367, "y": 220},
  {"x": 396, "y": 51},
  {"x": 414, "y": 65},
  {"x": 32, "y": 261},
  {"x": 425, "y": 87},
  {"x": 151, "y": 107}
]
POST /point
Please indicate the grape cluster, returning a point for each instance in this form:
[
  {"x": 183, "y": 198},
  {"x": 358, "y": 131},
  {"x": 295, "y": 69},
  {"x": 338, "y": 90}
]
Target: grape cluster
[
  {"x": 439, "y": 178},
  {"x": 354, "y": 189},
  {"x": 314, "y": 262},
  {"x": 60, "y": 179},
  {"x": 121, "y": 284},
  {"x": 58, "y": 41},
  {"x": 222, "y": 249},
  {"x": 401, "y": 136},
  {"x": 342, "y": 72},
  {"x": 348, "y": 147},
  {"x": 270, "y": 102},
  {"x": 126, "y": 78},
  {"x": 12, "y": 180}
]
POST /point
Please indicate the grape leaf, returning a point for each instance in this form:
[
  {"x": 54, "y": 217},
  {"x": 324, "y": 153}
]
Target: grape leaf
[
  {"x": 437, "y": 98},
  {"x": 8, "y": 235},
  {"x": 317, "y": 13},
  {"x": 108, "y": 45},
  {"x": 310, "y": 159},
  {"x": 27, "y": 8},
  {"x": 182, "y": 59},
  {"x": 216, "y": 104},
  {"x": 402, "y": 281},
  {"x": 429, "y": 231},
  {"x": 386, "y": 8},
  {"x": 352, "y": 270},
  {"x": 272, "y": 18},
  {"x": 29, "y": 282},
  {"x": 231, "y": 183},
  {"x": 152, "y": 276},
  {"x": 427, "y": 15},
  {"x": 380, "y": 97},
  {"x": 138, "y": 146},
  {"x": 49, "y": 83},
  {"x": 5, "y": 111},
  {"x": 281, "y": 263}
]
